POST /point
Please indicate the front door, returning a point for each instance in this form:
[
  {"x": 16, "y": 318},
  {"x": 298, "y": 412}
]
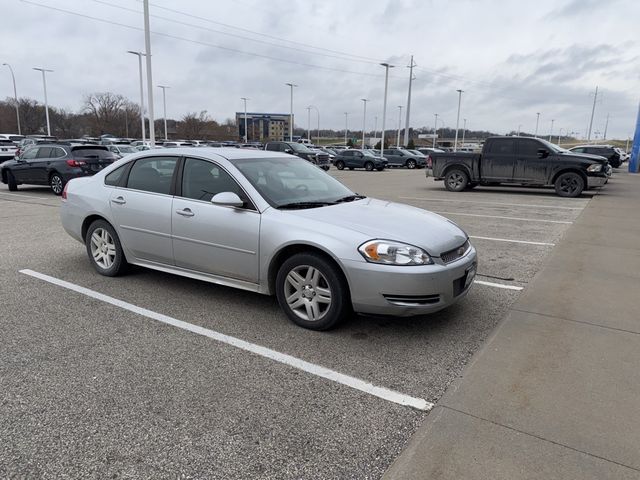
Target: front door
[
  {"x": 210, "y": 238},
  {"x": 530, "y": 167},
  {"x": 23, "y": 171},
  {"x": 142, "y": 209}
]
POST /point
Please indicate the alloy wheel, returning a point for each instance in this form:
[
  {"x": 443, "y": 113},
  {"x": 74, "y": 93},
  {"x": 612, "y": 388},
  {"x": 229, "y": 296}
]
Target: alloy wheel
[
  {"x": 455, "y": 180},
  {"x": 56, "y": 184},
  {"x": 569, "y": 185},
  {"x": 307, "y": 293},
  {"x": 103, "y": 248}
]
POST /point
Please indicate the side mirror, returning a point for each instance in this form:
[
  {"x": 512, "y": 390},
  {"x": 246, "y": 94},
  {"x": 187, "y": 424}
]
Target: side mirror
[
  {"x": 288, "y": 150},
  {"x": 227, "y": 199},
  {"x": 543, "y": 153}
]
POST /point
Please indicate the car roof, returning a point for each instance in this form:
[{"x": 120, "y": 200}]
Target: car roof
[
  {"x": 592, "y": 146},
  {"x": 229, "y": 153}
]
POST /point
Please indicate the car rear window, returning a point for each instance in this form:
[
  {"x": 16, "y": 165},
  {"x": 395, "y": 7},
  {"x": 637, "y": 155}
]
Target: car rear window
[{"x": 93, "y": 152}]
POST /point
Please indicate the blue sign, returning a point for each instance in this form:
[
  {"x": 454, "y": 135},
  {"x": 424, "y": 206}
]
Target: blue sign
[{"x": 634, "y": 161}]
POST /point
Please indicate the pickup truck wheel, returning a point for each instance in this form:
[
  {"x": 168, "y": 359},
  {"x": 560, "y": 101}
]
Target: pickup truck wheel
[
  {"x": 340, "y": 165},
  {"x": 368, "y": 166},
  {"x": 411, "y": 164},
  {"x": 569, "y": 184},
  {"x": 11, "y": 181},
  {"x": 456, "y": 180}
]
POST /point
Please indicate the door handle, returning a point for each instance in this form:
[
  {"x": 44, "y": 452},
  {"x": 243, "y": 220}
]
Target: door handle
[
  {"x": 118, "y": 200},
  {"x": 185, "y": 213}
]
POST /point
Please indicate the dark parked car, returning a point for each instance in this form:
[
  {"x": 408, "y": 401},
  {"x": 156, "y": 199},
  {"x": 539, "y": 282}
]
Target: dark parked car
[
  {"x": 521, "y": 161},
  {"x": 55, "y": 164},
  {"x": 607, "y": 151},
  {"x": 320, "y": 159},
  {"x": 359, "y": 159},
  {"x": 398, "y": 157}
]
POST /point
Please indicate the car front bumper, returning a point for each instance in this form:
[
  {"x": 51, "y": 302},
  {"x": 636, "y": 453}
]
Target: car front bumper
[
  {"x": 596, "y": 181},
  {"x": 409, "y": 291}
]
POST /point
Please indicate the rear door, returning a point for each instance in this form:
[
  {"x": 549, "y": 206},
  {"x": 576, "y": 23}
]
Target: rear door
[
  {"x": 530, "y": 168},
  {"x": 142, "y": 209},
  {"x": 393, "y": 157},
  {"x": 40, "y": 165},
  {"x": 498, "y": 160}
]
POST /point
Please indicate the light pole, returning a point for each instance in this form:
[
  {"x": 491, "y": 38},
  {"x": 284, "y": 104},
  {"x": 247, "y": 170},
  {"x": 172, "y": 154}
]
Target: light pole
[
  {"x": 375, "y": 126},
  {"x": 346, "y": 127},
  {"x": 399, "y": 125},
  {"x": 309, "y": 123},
  {"x": 435, "y": 130},
  {"x": 406, "y": 125},
  {"x": 164, "y": 109},
  {"x": 384, "y": 104},
  {"x": 147, "y": 44},
  {"x": 291, "y": 85},
  {"x": 318, "y": 112},
  {"x": 464, "y": 129},
  {"x": 246, "y": 132},
  {"x": 593, "y": 111},
  {"x": 559, "y": 135},
  {"x": 140, "y": 55},
  {"x": 15, "y": 97},
  {"x": 551, "y": 130},
  {"x": 537, "y": 121},
  {"x": 455, "y": 142},
  {"x": 519, "y": 127},
  {"x": 46, "y": 103},
  {"x": 364, "y": 119}
]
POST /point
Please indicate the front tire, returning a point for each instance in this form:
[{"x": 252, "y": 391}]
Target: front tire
[
  {"x": 11, "y": 181},
  {"x": 312, "y": 292},
  {"x": 456, "y": 180},
  {"x": 569, "y": 184},
  {"x": 56, "y": 183},
  {"x": 105, "y": 250},
  {"x": 340, "y": 165},
  {"x": 411, "y": 164}
]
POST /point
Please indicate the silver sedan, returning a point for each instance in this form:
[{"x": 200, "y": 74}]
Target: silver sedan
[{"x": 270, "y": 223}]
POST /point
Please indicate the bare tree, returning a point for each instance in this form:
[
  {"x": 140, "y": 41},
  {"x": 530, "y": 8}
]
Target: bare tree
[
  {"x": 194, "y": 125},
  {"x": 106, "y": 111}
]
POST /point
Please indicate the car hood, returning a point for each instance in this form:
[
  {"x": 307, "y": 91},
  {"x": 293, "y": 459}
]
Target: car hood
[
  {"x": 391, "y": 221},
  {"x": 586, "y": 156}
]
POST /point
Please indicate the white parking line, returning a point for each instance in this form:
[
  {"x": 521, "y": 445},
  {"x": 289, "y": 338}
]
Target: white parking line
[
  {"x": 429, "y": 199},
  {"x": 504, "y": 218},
  {"x": 19, "y": 195},
  {"x": 513, "y": 241},
  {"x": 498, "y": 285},
  {"x": 320, "y": 371}
]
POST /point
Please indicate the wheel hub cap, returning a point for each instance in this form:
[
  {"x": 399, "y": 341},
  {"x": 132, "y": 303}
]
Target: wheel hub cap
[{"x": 307, "y": 293}]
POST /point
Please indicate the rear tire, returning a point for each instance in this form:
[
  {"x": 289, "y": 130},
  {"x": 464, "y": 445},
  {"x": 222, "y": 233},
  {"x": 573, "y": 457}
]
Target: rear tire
[
  {"x": 312, "y": 292},
  {"x": 368, "y": 166},
  {"x": 105, "y": 250},
  {"x": 340, "y": 165},
  {"x": 411, "y": 164},
  {"x": 56, "y": 183},
  {"x": 569, "y": 184},
  {"x": 456, "y": 180},
  {"x": 11, "y": 181}
]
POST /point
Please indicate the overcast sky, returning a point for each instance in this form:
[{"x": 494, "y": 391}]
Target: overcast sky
[{"x": 511, "y": 60}]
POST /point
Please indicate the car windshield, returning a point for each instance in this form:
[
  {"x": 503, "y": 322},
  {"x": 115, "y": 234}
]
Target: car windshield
[
  {"x": 300, "y": 148},
  {"x": 553, "y": 147},
  {"x": 127, "y": 149},
  {"x": 289, "y": 182},
  {"x": 416, "y": 152},
  {"x": 368, "y": 153}
]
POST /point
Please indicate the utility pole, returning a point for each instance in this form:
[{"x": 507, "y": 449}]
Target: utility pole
[
  {"x": 140, "y": 55},
  {"x": 364, "y": 120},
  {"x": 435, "y": 131},
  {"x": 551, "y": 130},
  {"x": 164, "y": 109},
  {"x": 464, "y": 129},
  {"x": 147, "y": 45},
  {"x": 384, "y": 104},
  {"x": 537, "y": 122},
  {"x": 455, "y": 143},
  {"x": 15, "y": 97},
  {"x": 309, "y": 123},
  {"x": 291, "y": 85},
  {"x": 606, "y": 125},
  {"x": 346, "y": 127},
  {"x": 246, "y": 132},
  {"x": 593, "y": 111},
  {"x": 399, "y": 124},
  {"x": 46, "y": 103},
  {"x": 406, "y": 123}
]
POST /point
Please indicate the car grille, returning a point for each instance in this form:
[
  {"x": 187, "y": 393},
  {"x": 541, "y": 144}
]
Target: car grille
[
  {"x": 322, "y": 158},
  {"x": 412, "y": 300},
  {"x": 456, "y": 253}
]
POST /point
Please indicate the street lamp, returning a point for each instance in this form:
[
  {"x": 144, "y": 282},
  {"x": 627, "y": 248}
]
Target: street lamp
[
  {"x": 346, "y": 127},
  {"x": 318, "y": 112},
  {"x": 551, "y": 129},
  {"x": 384, "y": 104},
  {"x": 15, "y": 96},
  {"x": 560, "y": 134},
  {"x": 364, "y": 119},
  {"x": 246, "y": 132},
  {"x": 455, "y": 143},
  {"x": 464, "y": 129},
  {"x": 46, "y": 103},
  {"x": 375, "y": 127},
  {"x": 164, "y": 109},
  {"x": 435, "y": 130},
  {"x": 399, "y": 124},
  {"x": 537, "y": 121},
  {"x": 291, "y": 85},
  {"x": 519, "y": 127},
  {"x": 140, "y": 55}
]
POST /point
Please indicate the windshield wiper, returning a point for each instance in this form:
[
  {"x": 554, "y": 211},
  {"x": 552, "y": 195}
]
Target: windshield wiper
[
  {"x": 304, "y": 205},
  {"x": 350, "y": 198}
]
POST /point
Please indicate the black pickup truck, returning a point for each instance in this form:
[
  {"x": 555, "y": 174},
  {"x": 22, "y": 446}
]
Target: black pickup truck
[{"x": 521, "y": 161}]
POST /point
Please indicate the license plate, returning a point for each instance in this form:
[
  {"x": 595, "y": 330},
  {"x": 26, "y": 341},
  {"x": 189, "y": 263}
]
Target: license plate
[{"x": 471, "y": 274}]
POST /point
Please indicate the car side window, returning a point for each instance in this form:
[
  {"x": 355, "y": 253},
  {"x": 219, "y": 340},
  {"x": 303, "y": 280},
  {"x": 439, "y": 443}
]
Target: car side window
[
  {"x": 57, "y": 152},
  {"x": 114, "y": 177},
  {"x": 503, "y": 147},
  {"x": 347, "y": 154},
  {"x": 44, "y": 152},
  {"x": 578, "y": 150},
  {"x": 152, "y": 174},
  {"x": 272, "y": 147},
  {"x": 30, "y": 154},
  {"x": 202, "y": 180},
  {"x": 528, "y": 148}
]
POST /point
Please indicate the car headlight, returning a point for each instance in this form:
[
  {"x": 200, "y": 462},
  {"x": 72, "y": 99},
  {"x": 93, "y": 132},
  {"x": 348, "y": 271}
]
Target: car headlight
[
  {"x": 388, "y": 252},
  {"x": 596, "y": 167}
]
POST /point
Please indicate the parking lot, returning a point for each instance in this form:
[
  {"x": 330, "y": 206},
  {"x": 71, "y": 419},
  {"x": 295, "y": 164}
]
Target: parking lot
[{"x": 89, "y": 388}]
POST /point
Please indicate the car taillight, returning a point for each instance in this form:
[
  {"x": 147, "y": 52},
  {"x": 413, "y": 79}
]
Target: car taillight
[
  {"x": 75, "y": 163},
  {"x": 64, "y": 191},
  {"x": 429, "y": 161}
]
